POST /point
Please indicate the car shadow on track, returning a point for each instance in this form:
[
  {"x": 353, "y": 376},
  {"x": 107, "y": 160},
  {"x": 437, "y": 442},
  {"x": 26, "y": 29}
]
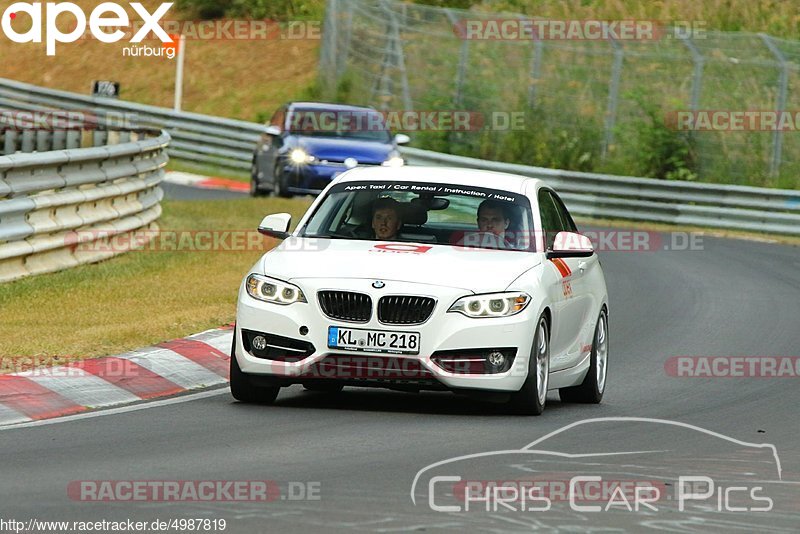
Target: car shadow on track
[{"x": 376, "y": 400}]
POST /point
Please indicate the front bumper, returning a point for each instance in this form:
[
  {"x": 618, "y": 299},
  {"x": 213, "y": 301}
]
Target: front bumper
[{"x": 443, "y": 331}]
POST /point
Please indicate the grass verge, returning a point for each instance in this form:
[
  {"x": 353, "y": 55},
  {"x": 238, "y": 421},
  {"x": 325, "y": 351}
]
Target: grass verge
[{"x": 139, "y": 298}]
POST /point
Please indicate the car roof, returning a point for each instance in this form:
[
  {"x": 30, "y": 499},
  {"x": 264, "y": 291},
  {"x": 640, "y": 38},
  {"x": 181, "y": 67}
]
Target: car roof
[
  {"x": 446, "y": 175},
  {"x": 325, "y": 106}
]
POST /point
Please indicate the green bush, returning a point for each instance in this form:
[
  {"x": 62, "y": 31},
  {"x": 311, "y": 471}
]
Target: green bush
[{"x": 652, "y": 148}]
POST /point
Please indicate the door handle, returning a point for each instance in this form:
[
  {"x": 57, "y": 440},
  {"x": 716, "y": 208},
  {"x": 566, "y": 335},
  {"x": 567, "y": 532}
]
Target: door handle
[{"x": 582, "y": 266}]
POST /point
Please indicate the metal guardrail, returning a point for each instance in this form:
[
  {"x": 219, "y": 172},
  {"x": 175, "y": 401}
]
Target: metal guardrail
[
  {"x": 201, "y": 138},
  {"x": 645, "y": 199},
  {"x": 63, "y": 204},
  {"x": 230, "y": 143}
]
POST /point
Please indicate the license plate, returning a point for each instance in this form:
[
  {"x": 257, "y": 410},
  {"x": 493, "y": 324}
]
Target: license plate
[{"x": 373, "y": 340}]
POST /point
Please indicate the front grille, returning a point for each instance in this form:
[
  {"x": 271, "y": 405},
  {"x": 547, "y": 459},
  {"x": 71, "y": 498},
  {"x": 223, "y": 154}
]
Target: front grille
[
  {"x": 346, "y": 305},
  {"x": 403, "y": 309},
  {"x": 339, "y": 162}
]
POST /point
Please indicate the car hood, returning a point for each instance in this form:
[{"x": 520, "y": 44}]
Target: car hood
[
  {"x": 339, "y": 149},
  {"x": 477, "y": 270}
]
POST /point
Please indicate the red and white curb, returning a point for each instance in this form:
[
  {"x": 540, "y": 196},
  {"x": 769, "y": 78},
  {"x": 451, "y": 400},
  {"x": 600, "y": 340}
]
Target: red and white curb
[
  {"x": 168, "y": 368},
  {"x": 205, "y": 182}
]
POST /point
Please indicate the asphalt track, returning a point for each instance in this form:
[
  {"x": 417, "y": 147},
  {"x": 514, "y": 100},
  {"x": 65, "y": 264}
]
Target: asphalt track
[{"x": 364, "y": 447}]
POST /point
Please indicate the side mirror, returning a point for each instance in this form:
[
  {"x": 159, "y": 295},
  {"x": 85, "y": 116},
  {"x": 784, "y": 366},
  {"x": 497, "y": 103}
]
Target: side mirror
[
  {"x": 402, "y": 139},
  {"x": 571, "y": 245},
  {"x": 276, "y": 225},
  {"x": 273, "y": 130}
]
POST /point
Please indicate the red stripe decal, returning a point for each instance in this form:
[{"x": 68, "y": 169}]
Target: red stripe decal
[
  {"x": 562, "y": 267},
  {"x": 202, "y": 353},
  {"x": 130, "y": 376},
  {"x": 33, "y": 400}
]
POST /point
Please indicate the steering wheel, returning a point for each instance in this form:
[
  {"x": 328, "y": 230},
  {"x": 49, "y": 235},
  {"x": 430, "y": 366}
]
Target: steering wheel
[{"x": 357, "y": 232}]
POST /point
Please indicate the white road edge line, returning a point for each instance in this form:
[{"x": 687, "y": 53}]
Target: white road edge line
[{"x": 122, "y": 409}]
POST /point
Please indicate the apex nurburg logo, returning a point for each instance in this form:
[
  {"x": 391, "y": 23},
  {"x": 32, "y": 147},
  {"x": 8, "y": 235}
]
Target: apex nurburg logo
[{"x": 105, "y": 17}]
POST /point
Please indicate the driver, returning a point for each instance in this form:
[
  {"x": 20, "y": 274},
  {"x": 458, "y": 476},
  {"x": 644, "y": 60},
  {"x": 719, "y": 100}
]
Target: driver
[{"x": 386, "y": 218}]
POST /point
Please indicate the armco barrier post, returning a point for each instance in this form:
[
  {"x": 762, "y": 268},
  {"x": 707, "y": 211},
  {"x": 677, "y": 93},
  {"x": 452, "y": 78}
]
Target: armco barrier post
[{"x": 780, "y": 104}]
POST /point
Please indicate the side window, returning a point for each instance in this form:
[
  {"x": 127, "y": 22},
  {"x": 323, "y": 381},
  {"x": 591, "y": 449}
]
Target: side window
[
  {"x": 551, "y": 222},
  {"x": 566, "y": 219}
]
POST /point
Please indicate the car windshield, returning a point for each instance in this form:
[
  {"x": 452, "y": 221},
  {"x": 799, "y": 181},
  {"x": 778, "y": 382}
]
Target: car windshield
[
  {"x": 422, "y": 212},
  {"x": 356, "y": 124}
]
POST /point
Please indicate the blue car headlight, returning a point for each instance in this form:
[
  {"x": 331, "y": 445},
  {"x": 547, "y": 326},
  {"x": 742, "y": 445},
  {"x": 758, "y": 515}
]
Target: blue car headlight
[
  {"x": 298, "y": 156},
  {"x": 394, "y": 160}
]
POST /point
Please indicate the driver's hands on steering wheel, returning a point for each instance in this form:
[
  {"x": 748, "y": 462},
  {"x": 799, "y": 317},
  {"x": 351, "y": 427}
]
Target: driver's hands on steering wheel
[{"x": 358, "y": 232}]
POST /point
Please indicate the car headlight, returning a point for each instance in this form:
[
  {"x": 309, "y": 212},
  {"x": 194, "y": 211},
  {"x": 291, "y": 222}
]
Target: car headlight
[
  {"x": 299, "y": 156},
  {"x": 491, "y": 304},
  {"x": 395, "y": 160},
  {"x": 272, "y": 290}
]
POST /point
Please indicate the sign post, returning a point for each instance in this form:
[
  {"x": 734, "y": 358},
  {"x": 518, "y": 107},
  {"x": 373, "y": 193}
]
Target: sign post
[{"x": 178, "y": 42}]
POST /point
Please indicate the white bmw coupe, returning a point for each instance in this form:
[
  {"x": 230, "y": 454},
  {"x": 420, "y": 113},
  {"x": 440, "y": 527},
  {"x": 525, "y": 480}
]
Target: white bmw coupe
[{"x": 426, "y": 278}]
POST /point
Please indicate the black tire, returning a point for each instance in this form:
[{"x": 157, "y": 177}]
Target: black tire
[
  {"x": 530, "y": 400},
  {"x": 241, "y": 387},
  {"x": 324, "y": 388},
  {"x": 591, "y": 390},
  {"x": 280, "y": 188},
  {"x": 254, "y": 190}
]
